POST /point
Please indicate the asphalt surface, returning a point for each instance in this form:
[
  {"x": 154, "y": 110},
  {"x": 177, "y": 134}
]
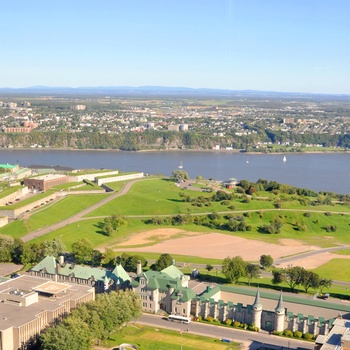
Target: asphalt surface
[{"x": 249, "y": 340}]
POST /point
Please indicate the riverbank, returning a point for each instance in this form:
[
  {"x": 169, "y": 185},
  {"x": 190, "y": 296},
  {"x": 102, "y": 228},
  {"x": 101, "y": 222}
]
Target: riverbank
[{"x": 233, "y": 151}]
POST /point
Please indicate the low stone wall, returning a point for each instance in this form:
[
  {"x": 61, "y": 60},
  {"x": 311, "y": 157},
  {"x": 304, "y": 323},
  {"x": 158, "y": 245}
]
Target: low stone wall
[
  {"x": 101, "y": 181},
  {"x": 90, "y": 177},
  {"x": 15, "y": 213},
  {"x": 13, "y": 196},
  {"x": 4, "y": 221}
]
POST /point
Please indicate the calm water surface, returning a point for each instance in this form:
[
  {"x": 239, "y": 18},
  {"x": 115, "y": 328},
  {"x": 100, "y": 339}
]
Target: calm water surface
[{"x": 326, "y": 172}]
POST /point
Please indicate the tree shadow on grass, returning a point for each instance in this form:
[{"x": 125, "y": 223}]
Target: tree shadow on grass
[{"x": 100, "y": 228}]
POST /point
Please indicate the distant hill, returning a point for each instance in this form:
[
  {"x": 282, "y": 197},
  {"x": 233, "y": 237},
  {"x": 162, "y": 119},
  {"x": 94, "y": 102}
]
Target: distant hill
[{"x": 162, "y": 91}]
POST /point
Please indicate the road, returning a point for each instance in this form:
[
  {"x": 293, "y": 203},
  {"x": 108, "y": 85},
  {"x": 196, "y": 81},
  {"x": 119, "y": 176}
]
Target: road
[{"x": 251, "y": 340}]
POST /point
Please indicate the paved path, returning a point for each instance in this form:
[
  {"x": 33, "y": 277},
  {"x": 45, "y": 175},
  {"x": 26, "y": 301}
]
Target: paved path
[
  {"x": 250, "y": 340},
  {"x": 79, "y": 216}
]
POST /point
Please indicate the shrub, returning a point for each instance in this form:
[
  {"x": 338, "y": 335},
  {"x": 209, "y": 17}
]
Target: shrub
[
  {"x": 215, "y": 320},
  {"x": 307, "y": 215},
  {"x": 244, "y": 326},
  {"x": 228, "y": 321},
  {"x": 327, "y": 213},
  {"x": 253, "y": 328},
  {"x": 236, "y": 324},
  {"x": 288, "y": 333},
  {"x": 232, "y": 207},
  {"x": 209, "y": 319},
  {"x": 308, "y": 336},
  {"x": 298, "y": 334},
  {"x": 247, "y": 214},
  {"x": 225, "y": 202},
  {"x": 199, "y": 318}
]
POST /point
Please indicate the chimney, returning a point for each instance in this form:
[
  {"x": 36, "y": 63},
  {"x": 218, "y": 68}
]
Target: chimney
[
  {"x": 61, "y": 260},
  {"x": 139, "y": 268}
]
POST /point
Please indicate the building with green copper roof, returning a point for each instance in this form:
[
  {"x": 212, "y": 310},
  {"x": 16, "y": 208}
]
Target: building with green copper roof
[
  {"x": 8, "y": 166},
  {"x": 168, "y": 291},
  {"x": 101, "y": 279}
]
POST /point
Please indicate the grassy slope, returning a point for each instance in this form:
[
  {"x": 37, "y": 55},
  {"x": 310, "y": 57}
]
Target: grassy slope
[
  {"x": 147, "y": 338},
  {"x": 60, "y": 210}
]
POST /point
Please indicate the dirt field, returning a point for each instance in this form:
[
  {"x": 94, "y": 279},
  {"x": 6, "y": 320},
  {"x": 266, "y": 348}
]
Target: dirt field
[{"x": 219, "y": 246}]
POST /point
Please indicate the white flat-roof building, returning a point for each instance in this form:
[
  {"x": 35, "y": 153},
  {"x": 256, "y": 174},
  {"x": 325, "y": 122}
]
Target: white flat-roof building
[{"x": 29, "y": 304}]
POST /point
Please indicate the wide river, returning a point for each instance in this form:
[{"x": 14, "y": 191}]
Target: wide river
[{"x": 320, "y": 172}]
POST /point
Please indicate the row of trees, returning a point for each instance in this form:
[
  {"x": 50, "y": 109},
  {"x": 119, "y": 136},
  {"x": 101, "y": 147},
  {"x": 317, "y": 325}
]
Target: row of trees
[
  {"x": 298, "y": 276},
  {"x": 16, "y": 251},
  {"x": 92, "y": 322},
  {"x": 236, "y": 268}
]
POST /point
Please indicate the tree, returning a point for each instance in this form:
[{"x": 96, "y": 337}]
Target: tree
[
  {"x": 31, "y": 253},
  {"x": 53, "y": 247},
  {"x": 273, "y": 228},
  {"x": 295, "y": 276},
  {"x": 234, "y": 268},
  {"x": 324, "y": 283},
  {"x": 209, "y": 267},
  {"x": 17, "y": 251},
  {"x": 179, "y": 175},
  {"x": 266, "y": 261},
  {"x": 278, "y": 277},
  {"x": 163, "y": 262},
  {"x": 109, "y": 257},
  {"x": 199, "y": 178},
  {"x": 111, "y": 224},
  {"x": 92, "y": 321},
  {"x": 82, "y": 251},
  {"x": 131, "y": 262},
  {"x": 6, "y": 245},
  {"x": 96, "y": 257},
  {"x": 310, "y": 280},
  {"x": 252, "y": 271}
]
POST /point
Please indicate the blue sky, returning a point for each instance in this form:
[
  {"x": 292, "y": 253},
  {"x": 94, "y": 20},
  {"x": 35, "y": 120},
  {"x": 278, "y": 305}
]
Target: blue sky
[{"x": 277, "y": 45}]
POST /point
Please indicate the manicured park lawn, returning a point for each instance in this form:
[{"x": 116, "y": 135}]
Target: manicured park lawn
[
  {"x": 63, "y": 209},
  {"x": 59, "y": 210},
  {"x": 336, "y": 269},
  {"x": 91, "y": 229},
  {"x": 149, "y": 338}
]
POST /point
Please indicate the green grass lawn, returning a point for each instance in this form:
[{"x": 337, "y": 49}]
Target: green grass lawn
[
  {"x": 116, "y": 186},
  {"x": 19, "y": 204},
  {"x": 9, "y": 190},
  {"x": 336, "y": 269},
  {"x": 91, "y": 229},
  {"x": 78, "y": 186},
  {"x": 60, "y": 210},
  {"x": 150, "y": 338},
  {"x": 16, "y": 229}
]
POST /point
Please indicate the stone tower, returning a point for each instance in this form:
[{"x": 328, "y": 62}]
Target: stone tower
[
  {"x": 280, "y": 313},
  {"x": 257, "y": 311}
]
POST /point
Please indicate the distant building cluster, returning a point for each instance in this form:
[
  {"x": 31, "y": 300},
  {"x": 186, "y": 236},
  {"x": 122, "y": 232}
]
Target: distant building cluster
[
  {"x": 79, "y": 107},
  {"x": 178, "y": 127},
  {"x": 26, "y": 127}
]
